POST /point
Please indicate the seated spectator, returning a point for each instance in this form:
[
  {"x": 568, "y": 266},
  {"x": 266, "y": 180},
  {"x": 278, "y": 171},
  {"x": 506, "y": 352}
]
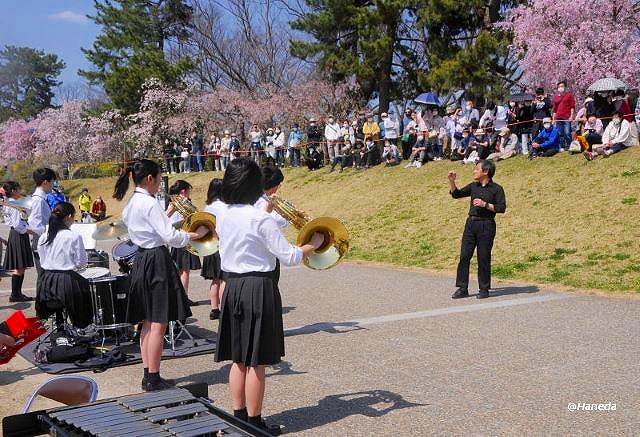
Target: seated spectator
[
  {"x": 463, "y": 140},
  {"x": 408, "y": 141},
  {"x": 418, "y": 154},
  {"x": 592, "y": 130},
  {"x": 616, "y": 137},
  {"x": 369, "y": 155},
  {"x": 98, "y": 209},
  {"x": 390, "y": 154},
  {"x": 506, "y": 145},
  {"x": 482, "y": 143},
  {"x": 313, "y": 157},
  {"x": 547, "y": 143}
]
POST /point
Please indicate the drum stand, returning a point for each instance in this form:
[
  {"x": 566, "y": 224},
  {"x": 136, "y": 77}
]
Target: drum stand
[{"x": 171, "y": 337}]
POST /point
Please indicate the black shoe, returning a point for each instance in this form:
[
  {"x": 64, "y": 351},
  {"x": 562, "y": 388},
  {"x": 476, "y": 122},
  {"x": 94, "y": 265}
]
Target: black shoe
[
  {"x": 214, "y": 314},
  {"x": 168, "y": 381},
  {"x": 460, "y": 293},
  {"x": 163, "y": 384},
  {"x": 271, "y": 429},
  {"x": 482, "y": 294},
  {"x": 21, "y": 298},
  {"x": 192, "y": 303}
]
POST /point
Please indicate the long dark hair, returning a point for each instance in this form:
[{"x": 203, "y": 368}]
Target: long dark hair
[
  {"x": 138, "y": 172},
  {"x": 9, "y": 187},
  {"x": 215, "y": 190},
  {"x": 178, "y": 186},
  {"x": 242, "y": 182},
  {"x": 56, "y": 221}
]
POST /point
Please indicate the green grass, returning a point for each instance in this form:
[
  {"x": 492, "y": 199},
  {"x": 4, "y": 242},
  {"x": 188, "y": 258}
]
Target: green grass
[{"x": 568, "y": 221}]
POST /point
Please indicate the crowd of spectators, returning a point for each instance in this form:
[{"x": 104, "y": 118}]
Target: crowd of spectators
[{"x": 537, "y": 125}]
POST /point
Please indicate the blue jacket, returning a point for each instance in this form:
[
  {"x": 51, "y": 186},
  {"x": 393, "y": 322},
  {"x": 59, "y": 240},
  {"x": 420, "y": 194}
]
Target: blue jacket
[{"x": 548, "y": 139}]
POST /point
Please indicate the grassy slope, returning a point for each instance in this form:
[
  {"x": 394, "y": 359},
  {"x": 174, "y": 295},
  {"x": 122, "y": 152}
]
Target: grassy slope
[{"x": 568, "y": 221}]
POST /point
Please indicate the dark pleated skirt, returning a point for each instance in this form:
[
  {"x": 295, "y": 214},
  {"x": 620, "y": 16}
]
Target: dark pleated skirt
[
  {"x": 211, "y": 267},
  {"x": 156, "y": 293},
  {"x": 19, "y": 254},
  {"x": 64, "y": 290},
  {"x": 185, "y": 260},
  {"x": 251, "y": 330}
]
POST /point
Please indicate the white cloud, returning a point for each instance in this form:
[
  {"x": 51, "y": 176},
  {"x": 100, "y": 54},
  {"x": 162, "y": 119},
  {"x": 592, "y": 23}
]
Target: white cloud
[{"x": 70, "y": 17}]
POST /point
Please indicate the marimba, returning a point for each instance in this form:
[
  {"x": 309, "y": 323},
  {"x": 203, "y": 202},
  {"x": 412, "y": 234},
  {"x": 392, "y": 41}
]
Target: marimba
[{"x": 174, "y": 412}]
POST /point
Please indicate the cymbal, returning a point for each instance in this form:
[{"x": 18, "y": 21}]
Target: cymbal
[{"x": 109, "y": 231}]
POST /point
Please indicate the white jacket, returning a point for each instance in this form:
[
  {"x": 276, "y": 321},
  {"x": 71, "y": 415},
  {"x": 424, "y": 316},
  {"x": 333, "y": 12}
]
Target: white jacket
[
  {"x": 618, "y": 134},
  {"x": 390, "y": 128},
  {"x": 332, "y": 132}
]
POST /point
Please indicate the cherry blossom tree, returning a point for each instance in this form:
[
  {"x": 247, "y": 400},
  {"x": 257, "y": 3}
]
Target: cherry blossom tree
[
  {"x": 61, "y": 133},
  {"x": 17, "y": 140},
  {"x": 580, "y": 41}
]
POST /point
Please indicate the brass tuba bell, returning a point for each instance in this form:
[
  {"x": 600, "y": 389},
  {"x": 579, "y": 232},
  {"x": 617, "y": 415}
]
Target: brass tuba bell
[
  {"x": 336, "y": 237},
  {"x": 193, "y": 219}
]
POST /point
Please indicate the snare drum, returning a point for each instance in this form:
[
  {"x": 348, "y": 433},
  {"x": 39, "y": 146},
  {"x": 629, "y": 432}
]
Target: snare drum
[
  {"x": 124, "y": 253},
  {"x": 110, "y": 299},
  {"x": 91, "y": 273}
]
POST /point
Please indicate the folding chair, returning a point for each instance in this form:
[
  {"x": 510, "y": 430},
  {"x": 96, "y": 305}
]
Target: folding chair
[{"x": 68, "y": 390}]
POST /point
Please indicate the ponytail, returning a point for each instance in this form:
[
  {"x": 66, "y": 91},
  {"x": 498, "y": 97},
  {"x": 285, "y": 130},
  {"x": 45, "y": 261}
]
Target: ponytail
[
  {"x": 56, "y": 221},
  {"x": 178, "y": 186},
  {"x": 138, "y": 172}
]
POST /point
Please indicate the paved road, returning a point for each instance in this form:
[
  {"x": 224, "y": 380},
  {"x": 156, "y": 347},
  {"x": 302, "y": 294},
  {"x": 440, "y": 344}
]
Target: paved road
[{"x": 372, "y": 349}]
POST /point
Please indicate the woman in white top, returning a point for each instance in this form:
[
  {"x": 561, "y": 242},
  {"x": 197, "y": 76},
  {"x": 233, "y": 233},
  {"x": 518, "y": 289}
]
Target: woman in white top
[
  {"x": 59, "y": 286},
  {"x": 211, "y": 268},
  {"x": 185, "y": 260},
  {"x": 250, "y": 332},
  {"x": 156, "y": 294},
  {"x": 18, "y": 256}
]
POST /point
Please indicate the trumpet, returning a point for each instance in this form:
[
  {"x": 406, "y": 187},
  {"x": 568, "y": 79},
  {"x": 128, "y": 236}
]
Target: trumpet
[
  {"x": 24, "y": 205},
  {"x": 193, "y": 219},
  {"x": 336, "y": 237}
]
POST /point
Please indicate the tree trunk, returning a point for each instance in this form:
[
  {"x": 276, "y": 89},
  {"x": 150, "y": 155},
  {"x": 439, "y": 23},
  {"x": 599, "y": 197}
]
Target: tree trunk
[{"x": 386, "y": 65}]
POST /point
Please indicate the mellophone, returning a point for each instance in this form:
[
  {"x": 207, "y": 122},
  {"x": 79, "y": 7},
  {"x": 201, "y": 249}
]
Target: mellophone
[{"x": 185, "y": 412}]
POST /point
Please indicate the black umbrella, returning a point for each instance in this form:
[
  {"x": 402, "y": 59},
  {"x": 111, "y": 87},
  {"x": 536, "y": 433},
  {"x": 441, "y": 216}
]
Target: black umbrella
[{"x": 521, "y": 97}]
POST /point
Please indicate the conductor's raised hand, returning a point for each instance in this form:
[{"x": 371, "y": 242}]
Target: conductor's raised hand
[{"x": 452, "y": 176}]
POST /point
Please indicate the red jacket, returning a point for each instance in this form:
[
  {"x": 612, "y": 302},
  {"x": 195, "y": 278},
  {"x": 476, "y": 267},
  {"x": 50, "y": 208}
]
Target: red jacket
[{"x": 563, "y": 104}]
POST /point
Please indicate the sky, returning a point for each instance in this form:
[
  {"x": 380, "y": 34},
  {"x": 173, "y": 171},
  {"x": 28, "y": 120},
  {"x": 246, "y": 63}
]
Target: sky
[{"x": 55, "y": 26}]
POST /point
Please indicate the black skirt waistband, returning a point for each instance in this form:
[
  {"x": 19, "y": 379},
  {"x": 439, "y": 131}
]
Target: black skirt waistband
[
  {"x": 144, "y": 249},
  {"x": 249, "y": 275},
  {"x": 480, "y": 219},
  {"x": 61, "y": 271}
]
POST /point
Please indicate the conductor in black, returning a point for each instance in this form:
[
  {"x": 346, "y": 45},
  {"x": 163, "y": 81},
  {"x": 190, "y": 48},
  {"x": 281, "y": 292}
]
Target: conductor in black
[{"x": 487, "y": 200}]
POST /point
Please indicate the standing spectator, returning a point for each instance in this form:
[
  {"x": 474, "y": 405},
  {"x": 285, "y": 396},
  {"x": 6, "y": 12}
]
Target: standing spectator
[
  {"x": 186, "y": 158},
  {"x": 84, "y": 204},
  {"x": 616, "y": 137},
  {"x": 564, "y": 106},
  {"x": 234, "y": 147},
  {"x": 225, "y": 149},
  {"x": 332, "y": 140},
  {"x": 371, "y": 130},
  {"x": 391, "y": 128},
  {"x": 409, "y": 134},
  {"x": 278, "y": 142},
  {"x": 98, "y": 209},
  {"x": 470, "y": 114},
  {"x": 603, "y": 106},
  {"x": 294, "y": 144},
  {"x": 315, "y": 137},
  {"x": 213, "y": 152},
  {"x": 541, "y": 109},
  {"x": 547, "y": 143},
  {"x": 255, "y": 136},
  {"x": 524, "y": 126},
  {"x": 177, "y": 159},
  {"x": 167, "y": 153},
  {"x": 270, "y": 147},
  {"x": 196, "y": 151},
  {"x": 406, "y": 119}
]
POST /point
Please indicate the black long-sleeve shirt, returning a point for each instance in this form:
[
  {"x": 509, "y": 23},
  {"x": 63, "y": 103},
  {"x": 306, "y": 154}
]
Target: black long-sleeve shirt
[{"x": 491, "y": 193}]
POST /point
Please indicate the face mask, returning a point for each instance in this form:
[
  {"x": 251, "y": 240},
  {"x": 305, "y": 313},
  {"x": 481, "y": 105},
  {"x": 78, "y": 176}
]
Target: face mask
[
  {"x": 331, "y": 120},
  {"x": 560, "y": 89},
  {"x": 547, "y": 125},
  {"x": 512, "y": 104},
  {"x": 435, "y": 113},
  {"x": 469, "y": 107},
  {"x": 616, "y": 121}
]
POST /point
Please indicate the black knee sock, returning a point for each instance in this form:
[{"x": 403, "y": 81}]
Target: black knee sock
[
  {"x": 154, "y": 377},
  {"x": 146, "y": 373},
  {"x": 241, "y": 414},
  {"x": 16, "y": 285}
]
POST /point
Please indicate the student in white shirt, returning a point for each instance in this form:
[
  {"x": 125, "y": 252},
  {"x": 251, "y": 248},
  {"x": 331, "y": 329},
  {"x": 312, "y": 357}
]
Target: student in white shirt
[
  {"x": 156, "y": 294},
  {"x": 40, "y": 210},
  {"x": 211, "y": 263},
  {"x": 18, "y": 256},
  {"x": 185, "y": 260},
  {"x": 59, "y": 286},
  {"x": 250, "y": 332}
]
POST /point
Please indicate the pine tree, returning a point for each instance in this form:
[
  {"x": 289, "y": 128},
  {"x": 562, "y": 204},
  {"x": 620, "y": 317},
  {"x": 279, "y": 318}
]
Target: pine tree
[
  {"x": 131, "y": 47},
  {"x": 27, "y": 79}
]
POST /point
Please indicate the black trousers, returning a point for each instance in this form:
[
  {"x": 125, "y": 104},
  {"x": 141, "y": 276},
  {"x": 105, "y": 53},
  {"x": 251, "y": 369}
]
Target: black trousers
[{"x": 480, "y": 234}]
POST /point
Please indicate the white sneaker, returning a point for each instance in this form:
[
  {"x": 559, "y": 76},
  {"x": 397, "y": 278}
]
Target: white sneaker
[{"x": 418, "y": 164}]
